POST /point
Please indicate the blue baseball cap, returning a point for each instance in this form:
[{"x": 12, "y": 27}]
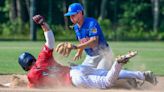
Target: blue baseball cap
[{"x": 74, "y": 9}]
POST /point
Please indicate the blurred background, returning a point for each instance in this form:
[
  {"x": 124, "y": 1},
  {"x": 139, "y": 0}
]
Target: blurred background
[
  {"x": 126, "y": 24},
  {"x": 120, "y": 20}
]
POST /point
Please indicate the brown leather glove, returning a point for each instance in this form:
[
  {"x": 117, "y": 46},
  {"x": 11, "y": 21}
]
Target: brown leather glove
[{"x": 65, "y": 48}]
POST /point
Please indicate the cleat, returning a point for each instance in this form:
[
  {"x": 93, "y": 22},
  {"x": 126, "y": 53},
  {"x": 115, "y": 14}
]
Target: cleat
[
  {"x": 150, "y": 77},
  {"x": 125, "y": 58},
  {"x": 133, "y": 83}
]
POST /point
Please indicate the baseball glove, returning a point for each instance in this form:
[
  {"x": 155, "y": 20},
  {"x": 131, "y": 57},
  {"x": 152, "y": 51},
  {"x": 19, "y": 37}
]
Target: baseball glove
[
  {"x": 38, "y": 19},
  {"x": 65, "y": 48}
]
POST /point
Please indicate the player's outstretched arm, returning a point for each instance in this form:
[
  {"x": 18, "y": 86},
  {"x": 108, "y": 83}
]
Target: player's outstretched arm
[{"x": 47, "y": 31}]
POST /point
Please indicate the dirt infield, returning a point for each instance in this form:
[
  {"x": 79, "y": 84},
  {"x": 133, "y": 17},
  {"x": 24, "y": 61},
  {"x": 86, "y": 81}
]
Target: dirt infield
[{"x": 145, "y": 88}]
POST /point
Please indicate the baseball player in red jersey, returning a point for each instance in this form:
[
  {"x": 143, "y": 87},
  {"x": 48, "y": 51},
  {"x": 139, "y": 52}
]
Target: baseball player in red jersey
[
  {"x": 45, "y": 69},
  {"x": 46, "y": 72}
]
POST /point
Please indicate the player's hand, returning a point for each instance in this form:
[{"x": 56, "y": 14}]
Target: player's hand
[
  {"x": 78, "y": 55},
  {"x": 38, "y": 19}
]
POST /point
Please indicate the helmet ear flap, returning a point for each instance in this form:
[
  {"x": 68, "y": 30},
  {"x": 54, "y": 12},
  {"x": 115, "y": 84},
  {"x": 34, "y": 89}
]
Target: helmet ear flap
[
  {"x": 25, "y": 60},
  {"x": 25, "y": 69}
]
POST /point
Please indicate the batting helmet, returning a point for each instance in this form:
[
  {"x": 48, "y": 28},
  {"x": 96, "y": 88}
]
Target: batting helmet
[
  {"x": 26, "y": 60},
  {"x": 74, "y": 9}
]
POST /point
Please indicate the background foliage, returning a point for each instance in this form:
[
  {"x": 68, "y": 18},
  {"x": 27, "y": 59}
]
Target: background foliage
[{"x": 119, "y": 19}]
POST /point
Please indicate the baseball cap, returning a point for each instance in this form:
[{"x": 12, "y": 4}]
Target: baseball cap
[{"x": 74, "y": 9}]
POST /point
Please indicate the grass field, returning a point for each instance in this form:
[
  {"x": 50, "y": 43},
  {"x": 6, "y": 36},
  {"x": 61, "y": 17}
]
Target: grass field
[{"x": 150, "y": 55}]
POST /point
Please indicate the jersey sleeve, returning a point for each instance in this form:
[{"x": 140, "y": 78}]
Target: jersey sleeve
[
  {"x": 45, "y": 58},
  {"x": 93, "y": 29},
  {"x": 45, "y": 52}
]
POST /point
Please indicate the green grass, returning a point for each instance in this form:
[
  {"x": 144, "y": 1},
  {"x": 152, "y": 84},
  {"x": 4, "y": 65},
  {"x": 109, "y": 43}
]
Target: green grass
[{"x": 150, "y": 55}]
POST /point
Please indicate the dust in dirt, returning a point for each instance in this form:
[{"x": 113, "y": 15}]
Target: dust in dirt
[{"x": 145, "y": 88}]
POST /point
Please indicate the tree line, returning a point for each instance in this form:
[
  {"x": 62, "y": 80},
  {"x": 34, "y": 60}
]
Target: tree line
[{"x": 119, "y": 19}]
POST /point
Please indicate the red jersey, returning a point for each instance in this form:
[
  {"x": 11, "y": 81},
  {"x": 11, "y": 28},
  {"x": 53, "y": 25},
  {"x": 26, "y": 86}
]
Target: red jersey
[{"x": 46, "y": 72}]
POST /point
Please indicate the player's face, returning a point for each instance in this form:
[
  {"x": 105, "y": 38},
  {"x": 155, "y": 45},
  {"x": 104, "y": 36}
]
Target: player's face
[{"x": 75, "y": 18}]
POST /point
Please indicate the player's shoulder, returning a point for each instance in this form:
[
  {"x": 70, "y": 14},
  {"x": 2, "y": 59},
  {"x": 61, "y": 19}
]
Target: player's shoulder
[{"x": 90, "y": 20}]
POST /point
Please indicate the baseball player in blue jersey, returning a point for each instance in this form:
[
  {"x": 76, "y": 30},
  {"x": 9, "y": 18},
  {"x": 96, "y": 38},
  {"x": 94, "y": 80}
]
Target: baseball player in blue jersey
[{"x": 88, "y": 32}]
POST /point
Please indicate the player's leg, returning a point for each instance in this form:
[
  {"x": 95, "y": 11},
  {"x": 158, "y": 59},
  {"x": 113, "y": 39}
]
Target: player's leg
[
  {"x": 113, "y": 74},
  {"x": 99, "y": 81},
  {"x": 96, "y": 77},
  {"x": 145, "y": 76},
  {"x": 85, "y": 76},
  {"x": 92, "y": 61},
  {"x": 107, "y": 59},
  {"x": 88, "y": 77},
  {"x": 124, "y": 74}
]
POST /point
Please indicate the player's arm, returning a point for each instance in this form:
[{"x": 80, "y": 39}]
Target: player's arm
[
  {"x": 47, "y": 31},
  {"x": 92, "y": 41},
  {"x": 93, "y": 36},
  {"x": 49, "y": 36}
]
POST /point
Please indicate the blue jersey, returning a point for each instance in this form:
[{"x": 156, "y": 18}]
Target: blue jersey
[{"x": 91, "y": 28}]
